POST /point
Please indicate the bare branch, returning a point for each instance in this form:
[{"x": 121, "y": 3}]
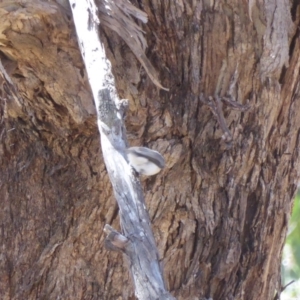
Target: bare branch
[{"x": 135, "y": 222}]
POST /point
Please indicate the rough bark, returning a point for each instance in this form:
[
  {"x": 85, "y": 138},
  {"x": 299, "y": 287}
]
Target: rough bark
[{"x": 219, "y": 213}]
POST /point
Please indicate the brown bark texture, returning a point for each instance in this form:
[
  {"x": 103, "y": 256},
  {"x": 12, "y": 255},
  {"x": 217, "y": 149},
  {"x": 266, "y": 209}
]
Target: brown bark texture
[{"x": 219, "y": 210}]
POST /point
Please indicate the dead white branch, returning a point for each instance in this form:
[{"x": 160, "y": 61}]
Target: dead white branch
[{"x": 137, "y": 240}]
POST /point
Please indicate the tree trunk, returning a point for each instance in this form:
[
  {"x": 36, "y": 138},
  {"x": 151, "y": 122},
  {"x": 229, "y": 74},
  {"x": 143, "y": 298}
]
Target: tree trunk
[{"x": 219, "y": 209}]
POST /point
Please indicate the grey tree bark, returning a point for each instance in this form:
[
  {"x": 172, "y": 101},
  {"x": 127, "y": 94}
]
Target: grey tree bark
[{"x": 219, "y": 210}]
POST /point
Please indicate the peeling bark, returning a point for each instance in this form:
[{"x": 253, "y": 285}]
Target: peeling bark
[{"x": 219, "y": 215}]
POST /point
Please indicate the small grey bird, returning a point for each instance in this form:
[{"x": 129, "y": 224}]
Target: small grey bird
[{"x": 145, "y": 161}]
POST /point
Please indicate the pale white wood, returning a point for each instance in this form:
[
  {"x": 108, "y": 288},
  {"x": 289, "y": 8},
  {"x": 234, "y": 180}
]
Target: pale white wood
[{"x": 139, "y": 245}]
